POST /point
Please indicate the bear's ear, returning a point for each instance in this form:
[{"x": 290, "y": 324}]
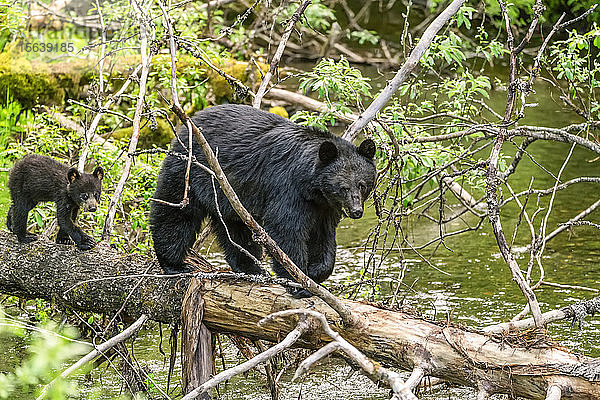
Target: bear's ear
[
  {"x": 327, "y": 152},
  {"x": 367, "y": 149},
  {"x": 73, "y": 174},
  {"x": 99, "y": 173}
]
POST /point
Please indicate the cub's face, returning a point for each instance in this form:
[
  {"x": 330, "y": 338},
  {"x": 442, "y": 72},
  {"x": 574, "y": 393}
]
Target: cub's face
[
  {"x": 85, "y": 189},
  {"x": 346, "y": 175}
]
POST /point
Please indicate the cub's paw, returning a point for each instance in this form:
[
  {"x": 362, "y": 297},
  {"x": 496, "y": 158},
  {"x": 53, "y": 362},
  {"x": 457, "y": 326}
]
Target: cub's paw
[
  {"x": 87, "y": 242},
  {"x": 28, "y": 238}
]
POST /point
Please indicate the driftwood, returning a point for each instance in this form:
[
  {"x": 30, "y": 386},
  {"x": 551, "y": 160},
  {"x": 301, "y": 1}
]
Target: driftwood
[{"x": 100, "y": 279}]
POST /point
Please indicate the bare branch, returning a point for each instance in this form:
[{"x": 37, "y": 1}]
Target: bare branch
[
  {"x": 577, "y": 310},
  {"x": 554, "y": 393},
  {"x": 89, "y": 133},
  {"x": 146, "y": 34},
  {"x": 410, "y": 64},
  {"x": 573, "y": 220},
  {"x": 275, "y": 61},
  {"x": 98, "y": 350},
  {"x": 175, "y": 99},
  {"x": 286, "y": 343},
  {"x": 314, "y": 358},
  {"x": 374, "y": 371}
]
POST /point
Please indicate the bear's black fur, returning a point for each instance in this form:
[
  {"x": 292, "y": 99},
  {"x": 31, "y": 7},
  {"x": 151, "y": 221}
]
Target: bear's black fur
[
  {"x": 296, "y": 181},
  {"x": 37, "y": 178}
]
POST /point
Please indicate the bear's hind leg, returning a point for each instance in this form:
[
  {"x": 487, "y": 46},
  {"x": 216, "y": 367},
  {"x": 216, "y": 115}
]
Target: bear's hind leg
[
  {"x": 18, "y": 213},
  {"x": 174, "y": 233},
  {"x": 235, "y": 257}
]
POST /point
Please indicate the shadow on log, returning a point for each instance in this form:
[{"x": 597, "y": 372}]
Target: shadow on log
[{"x": 100, "y": 280}]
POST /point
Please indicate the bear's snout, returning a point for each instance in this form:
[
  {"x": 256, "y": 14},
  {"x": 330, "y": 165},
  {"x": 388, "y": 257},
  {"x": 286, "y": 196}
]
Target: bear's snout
[
  {"x": 355, "y": 213},
  {"x": 91, "y": 204}
]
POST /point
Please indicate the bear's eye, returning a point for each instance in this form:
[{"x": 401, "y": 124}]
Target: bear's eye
[{"x": 84, "y": 196}]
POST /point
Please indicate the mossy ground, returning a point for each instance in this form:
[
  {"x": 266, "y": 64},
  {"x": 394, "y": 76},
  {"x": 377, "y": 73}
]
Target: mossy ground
[{"x": 159, "y": 135}]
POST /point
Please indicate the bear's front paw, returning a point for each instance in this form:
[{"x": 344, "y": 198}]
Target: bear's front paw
[
  {"x": 299, "y": 293},
  {"x": 27, "y": 238},
  {"x": 63, "y": 240},
  {"x": 87, "y": 242},
  {"x": 176, "y": 269}
]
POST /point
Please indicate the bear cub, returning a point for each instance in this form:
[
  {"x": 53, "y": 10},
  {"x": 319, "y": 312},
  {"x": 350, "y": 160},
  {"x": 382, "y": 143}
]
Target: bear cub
[
  {"x": 296, "y": 181},
  {"x": 37, "y": 178}
]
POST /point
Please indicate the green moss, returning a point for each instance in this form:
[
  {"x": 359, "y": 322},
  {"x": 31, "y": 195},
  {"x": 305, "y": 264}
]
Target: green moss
[
  {"x": 219, "y": 85},
  {"x": 29, "y": 83},
  {"x": 161, "y": 136},
  {"x": 72, "y": 76}
]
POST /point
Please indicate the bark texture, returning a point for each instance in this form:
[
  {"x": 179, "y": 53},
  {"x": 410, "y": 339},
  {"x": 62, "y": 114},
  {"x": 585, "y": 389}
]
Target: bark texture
[{"x": 47, "y": 270}]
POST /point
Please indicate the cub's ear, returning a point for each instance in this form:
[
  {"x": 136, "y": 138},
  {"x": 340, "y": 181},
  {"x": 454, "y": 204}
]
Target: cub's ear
[
  {"x": 327, "y": 152},
  {"x": 72, "y": 175},
  {"x": 367, "y": 149},
  {"x": 99, "y": 173}
]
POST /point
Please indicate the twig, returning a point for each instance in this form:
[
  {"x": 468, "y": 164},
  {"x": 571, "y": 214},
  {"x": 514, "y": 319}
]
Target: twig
[
  {"x": 374, "y": 371},
  {"x": 175, "y": 99},
  {"x": 580, "y": 223},
  {"x": 236, "y": 245},
  {"x": 102, "y": 47},
  {"x": 573, "y": 287},
  {"x": 286, "y": 343},
  {"x": 146, "y": 59},
  {"x": 314, "y": 358},
  {"x": 566, "y": 225},
  {"x": 584, "y": 308},
  {"x": 89, "y": 133},
  {"x": 126, "y": 334},
  {"x": 411, "y": 62},
  {"x": 275, "y": 61},
  {"x": 540, "y": 251}
]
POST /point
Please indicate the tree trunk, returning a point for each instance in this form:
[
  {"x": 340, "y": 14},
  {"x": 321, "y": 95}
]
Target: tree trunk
[{"x": 101, "y": 279}]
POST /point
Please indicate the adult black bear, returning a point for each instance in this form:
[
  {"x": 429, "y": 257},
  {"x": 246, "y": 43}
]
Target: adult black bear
[
  {"x": 37, "y": 178},
  {"x": 296, "y": 181}
]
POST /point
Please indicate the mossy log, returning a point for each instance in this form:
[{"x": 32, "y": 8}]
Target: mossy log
[
  {"x": 100, "y": 280},
  {"x": 50, "y": 83}
]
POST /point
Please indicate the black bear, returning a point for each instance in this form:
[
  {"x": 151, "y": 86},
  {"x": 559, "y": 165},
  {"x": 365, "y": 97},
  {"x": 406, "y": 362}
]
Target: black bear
[
  {"x": 37, "y": 178},
  {"x": 296, "y": 181}
]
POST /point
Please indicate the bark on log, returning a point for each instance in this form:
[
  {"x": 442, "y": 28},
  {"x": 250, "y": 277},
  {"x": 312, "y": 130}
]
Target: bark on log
[{"x": 47, "y": 270}]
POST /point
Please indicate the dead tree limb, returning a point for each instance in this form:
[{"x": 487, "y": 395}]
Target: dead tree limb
[
  {"x": 464, "y": 357},
  {"x": 271, "y": 352},
  {"x": 410, "y": 64},
  {"x": 98, "y": 350},
  {"x": 492, "y": 174},
  {"x": 147, "y": 34},
  {"x": 275, "y": 61}
]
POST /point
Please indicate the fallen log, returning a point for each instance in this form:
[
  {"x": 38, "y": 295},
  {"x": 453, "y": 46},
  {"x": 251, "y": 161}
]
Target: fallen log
[{"x": 101, "y": 280}]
